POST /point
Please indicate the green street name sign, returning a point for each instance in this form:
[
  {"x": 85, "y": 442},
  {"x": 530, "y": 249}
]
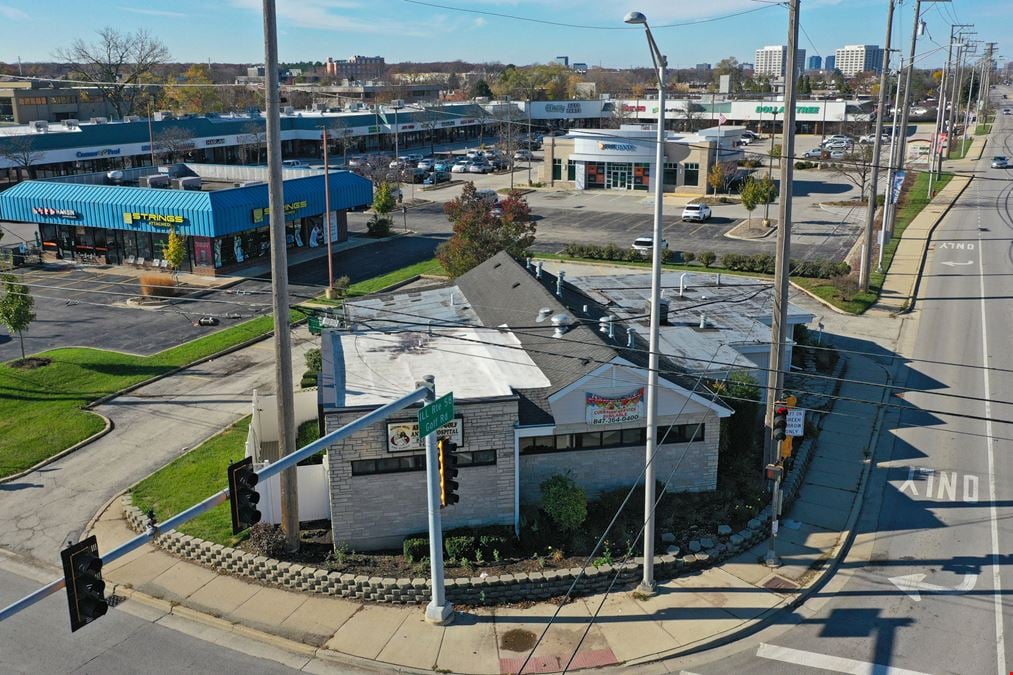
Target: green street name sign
[{"x": 436, "y": 414}]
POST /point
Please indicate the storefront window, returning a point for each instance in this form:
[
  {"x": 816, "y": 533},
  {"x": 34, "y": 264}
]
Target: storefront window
[
  {"x": 692, "y": 173},
  {"x": 130, "y": 244},
  {"x": 158, "y": 244},
  {"x": 594, "y": 176},
  {"x": 557, "y": 169},
  {"x": 641, "y": 176},
  {"x": 144, "y": 248},
  {"x": 294, "y": 235},
  {"x": 671, "y": 173},
  {"x": 611, "y": 438},
  {"x": 571, "y": 170}
]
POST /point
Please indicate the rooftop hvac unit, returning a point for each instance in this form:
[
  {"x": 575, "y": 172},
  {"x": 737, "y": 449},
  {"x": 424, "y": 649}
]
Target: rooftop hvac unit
[
  {"x": 190, "y": 183},
  {"x": 131, "y": 118},
  {"x": 288, "y": 110},
  {"x": 71, "y": 123},
  {"x": 397, "y": 103},
  {"x": 248, "y": 183},
  {"x": 114, "y": 177},
  {"x": 162, "y": 115},
  {"x": 99, "y": 120},
  {"x": 158, "y": 181},
  {"x": 40, "y": 126}
]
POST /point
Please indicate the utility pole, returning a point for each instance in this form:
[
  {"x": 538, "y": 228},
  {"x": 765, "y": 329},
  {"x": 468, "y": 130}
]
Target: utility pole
[
  {"x": 775, "y": 373},
  {"x": 279, "y": 284},
  {"x": 958, "y": 84},
  {"x": 327, "y": 220},
  {"x": 906, "y": 103},
  {"x": 870, "y": 214}
]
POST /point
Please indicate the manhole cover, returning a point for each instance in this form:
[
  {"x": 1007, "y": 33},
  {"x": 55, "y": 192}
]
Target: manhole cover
[{"x": 517, "y": 640}]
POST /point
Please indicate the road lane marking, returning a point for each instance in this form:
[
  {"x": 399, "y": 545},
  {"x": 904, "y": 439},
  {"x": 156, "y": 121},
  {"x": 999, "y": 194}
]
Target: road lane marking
[
  {"x": 1000, "y": 640},
  {"x": 914, "y": 585},
  {"x": 836, "y": 664},
  {"x": 947, "y": 488}
]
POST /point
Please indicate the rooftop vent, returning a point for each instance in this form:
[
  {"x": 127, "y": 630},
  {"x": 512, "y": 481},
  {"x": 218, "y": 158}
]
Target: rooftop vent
[
  {"x": 543, "y": 314},
  {"x": 40, "y": 127},
  {"x": 100, "y": 120},
  {"x": 131, "y": 118},
  {"x": 561, "y": 322},
  {"x": 71, "y": 123}
]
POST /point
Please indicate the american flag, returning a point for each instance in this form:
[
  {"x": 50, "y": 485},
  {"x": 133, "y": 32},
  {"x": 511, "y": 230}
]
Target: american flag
[{"x": 722, "y": 119}]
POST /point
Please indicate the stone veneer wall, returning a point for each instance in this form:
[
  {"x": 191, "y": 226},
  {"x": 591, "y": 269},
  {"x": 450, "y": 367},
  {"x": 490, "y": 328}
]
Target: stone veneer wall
[{"x": 379, "y": 511}]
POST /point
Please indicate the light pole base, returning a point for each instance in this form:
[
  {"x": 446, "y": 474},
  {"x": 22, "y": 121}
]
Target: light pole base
[
  {"x": 329, "y": 293},
  {"x": 440, "y": 615},
  {"x": 646, "y": 590},
  {"x": 771, "y": 560}
]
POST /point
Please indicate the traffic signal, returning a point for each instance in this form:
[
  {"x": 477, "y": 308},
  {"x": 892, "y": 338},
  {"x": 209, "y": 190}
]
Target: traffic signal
[
  {"x": 82, "y": 575},
  {"x": 780, "y": 421},
  {"x": 448, "y": 472},
  {"x": 243, "y": 496}
]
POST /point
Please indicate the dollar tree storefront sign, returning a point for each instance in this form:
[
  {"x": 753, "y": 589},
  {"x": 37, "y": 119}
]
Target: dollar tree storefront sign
[{"x": 799, "y": 110}]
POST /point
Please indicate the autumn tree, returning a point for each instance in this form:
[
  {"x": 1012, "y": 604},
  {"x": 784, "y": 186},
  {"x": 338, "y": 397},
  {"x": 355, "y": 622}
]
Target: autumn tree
[
  {"x": 716, "y": 177},
  {"x": 16, "y": 308},
  {"x": 174, "y": 250},
  {"x": 196, "y": 94},
  {"x": 116, "y": 64},
  {"x": 479, "y": 235}
]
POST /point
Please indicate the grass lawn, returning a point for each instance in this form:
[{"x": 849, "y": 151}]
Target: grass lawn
[
  {"x": 856, "y": 303},
  {"x": 41, "y": 410},
  {"x": 431, "y": 266},
  {"x": 961, "y": 150},
  {"x": 192, "y": 478}
]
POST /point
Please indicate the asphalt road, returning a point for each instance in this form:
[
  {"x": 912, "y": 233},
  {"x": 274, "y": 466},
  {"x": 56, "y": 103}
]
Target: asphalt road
[
  {"x": 142, "y": 641},
  {"x": 926, "y": 587}
]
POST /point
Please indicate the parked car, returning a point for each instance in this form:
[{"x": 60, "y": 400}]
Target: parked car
[
  {"x": 1007, "y": 111},
  {"x": 523, "y": 155},
  {"x": 480, "y": 167},
  {"x": 869, "y": 139},
  {"x": 751, "y": 135},
  {"x": 1000, "y": 162},
  {"x": 460, "y": 166},
  {"x": 837, "y": 138},
  {"x": 471, "y": 153},
  {"x": 815, "y": 153},
  {"x": 698, "y": 212},
  {"x": 838, "y": 144},
  {"x": 443, "y": 165},
  {"x": 437, "y": 177},
  {"x": 295, "y": 164},
  {"x": 415, "y": 175},
  {"x": 838, "y": 153},
  {"x": 488, "y": 195},
  {"x": 644, "y": 245},
  {"x": 426, "y": 164},
  {"x": 499, "y": 164}
]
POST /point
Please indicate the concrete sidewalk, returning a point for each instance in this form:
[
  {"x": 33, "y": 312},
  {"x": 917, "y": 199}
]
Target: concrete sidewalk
[
  {"x": 900, "y": 287},
  {"x": 689, "y": 613}
]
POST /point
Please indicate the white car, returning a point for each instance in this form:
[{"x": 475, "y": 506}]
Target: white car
[
  {"x": 699, "y": 212},
  {"x": 480, "y": 167},
  {"x": 838, "y": 154},
  {"x": 644, "y": 245},
  {"x": 814, "y": 153},
  {"x": 1000, "y": 162},
  {"x": 426, "y": 164},
  {"x": 523, "y": 155},
  {"x": 295, "y": 164},
  {"x": 460, "y": 166}
]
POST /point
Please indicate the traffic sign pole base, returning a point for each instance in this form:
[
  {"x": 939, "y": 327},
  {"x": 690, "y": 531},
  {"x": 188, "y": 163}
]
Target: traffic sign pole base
[
  {"x": 645, "y": 590},
  {"x": 771, "y": 560},
  {"x": 440, "y": 615}
]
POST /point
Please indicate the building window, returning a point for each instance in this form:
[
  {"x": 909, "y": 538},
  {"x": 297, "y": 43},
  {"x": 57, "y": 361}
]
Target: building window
[
  {"x": 557, "y": 169},
  {"x": 405, "y": 463},
  {"x": 611, "y": 438},
  {"x": 641, "y": 176},
  {"x": 571, "y": 170},
  {"x": 671, "y": 174},
  {"x": 692, "y": 173}
]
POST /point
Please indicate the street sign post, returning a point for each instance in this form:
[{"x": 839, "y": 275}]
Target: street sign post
[
  {"x": 436, "y": 414},
  {"x": 796, "y": 422}
]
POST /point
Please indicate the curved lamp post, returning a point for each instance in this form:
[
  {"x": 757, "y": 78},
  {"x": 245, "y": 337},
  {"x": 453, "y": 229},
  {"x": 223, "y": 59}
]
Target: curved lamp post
[{"x": 660, "y": 63}]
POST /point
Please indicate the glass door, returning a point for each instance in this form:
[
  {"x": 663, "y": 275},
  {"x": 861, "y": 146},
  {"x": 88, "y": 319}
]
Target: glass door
[{"x": 618, "y": 177}]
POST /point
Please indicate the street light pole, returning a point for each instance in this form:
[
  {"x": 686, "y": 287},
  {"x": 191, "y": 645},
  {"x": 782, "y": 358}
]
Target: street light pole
[
  {"x": 660, "y": 63},
  {"x": 327, "y": 219}
]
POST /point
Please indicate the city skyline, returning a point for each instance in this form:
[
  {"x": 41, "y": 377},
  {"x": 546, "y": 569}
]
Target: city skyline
[{"x": 488, "y": 30}]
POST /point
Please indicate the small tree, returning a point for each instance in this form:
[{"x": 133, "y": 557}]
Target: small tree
[
  {"x": 383, "y": 204},
  {"x": 775, "y": 152},
  {"x": 855, "y": 167},
  {"x": 707, "y": 258},
  {"x": 564, "y": 502},
  {"x": 174, "y": 250},
  {"x": 479, "y": 235},
  {"x": 20, "y": 150},
  {"x": 716, "y": 177},
  {"x": 16, "y": 308},
  {"x": 750, "y": 198}
]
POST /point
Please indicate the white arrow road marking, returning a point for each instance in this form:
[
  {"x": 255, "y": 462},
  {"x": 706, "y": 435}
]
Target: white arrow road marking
[
  {"x": 954, "y": 264},
  {"x": 836, "y": 664},
  {"x": 913, "y": 584}
]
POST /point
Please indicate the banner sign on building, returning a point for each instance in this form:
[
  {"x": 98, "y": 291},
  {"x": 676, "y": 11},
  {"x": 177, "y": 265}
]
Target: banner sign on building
[
  {"x": 54, "y": 213},
  {"x": 614, "y": 409},
  {"x": 404, "y": 436}
]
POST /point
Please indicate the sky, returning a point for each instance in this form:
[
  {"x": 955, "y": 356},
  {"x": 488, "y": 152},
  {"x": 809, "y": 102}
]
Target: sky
[{"x": 506, "y": 31}]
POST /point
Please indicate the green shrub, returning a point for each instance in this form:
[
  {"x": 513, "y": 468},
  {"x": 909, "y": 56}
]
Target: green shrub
[
  {"x": 309, "y": 379},
  {"x": 460, "y": 547},
  {"x": 378, "y": 227},
  {"x": 314, "y": 361},
  {"x": 688, "y": 256},
  {"x": 564, "y": 502},
  {"x": 707, "y": 258},
  {"x": 806, "y": 165},
  {"x": 415, "y": 549}
]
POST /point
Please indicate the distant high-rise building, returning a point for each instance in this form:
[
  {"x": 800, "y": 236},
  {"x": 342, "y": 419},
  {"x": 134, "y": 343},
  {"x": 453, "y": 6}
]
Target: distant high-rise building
[
  {"x": 854, "y": 59},
  {"x": 830, "y": 63},
  {"x": 579, "y": 68},
  {"x": 356, "y": 68},
  {"x": 703, "y": 66},
  {"x": 815, "y": 62},
  {"x": 772, "y": 59},
  {"x": 563, "y": 61}
]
